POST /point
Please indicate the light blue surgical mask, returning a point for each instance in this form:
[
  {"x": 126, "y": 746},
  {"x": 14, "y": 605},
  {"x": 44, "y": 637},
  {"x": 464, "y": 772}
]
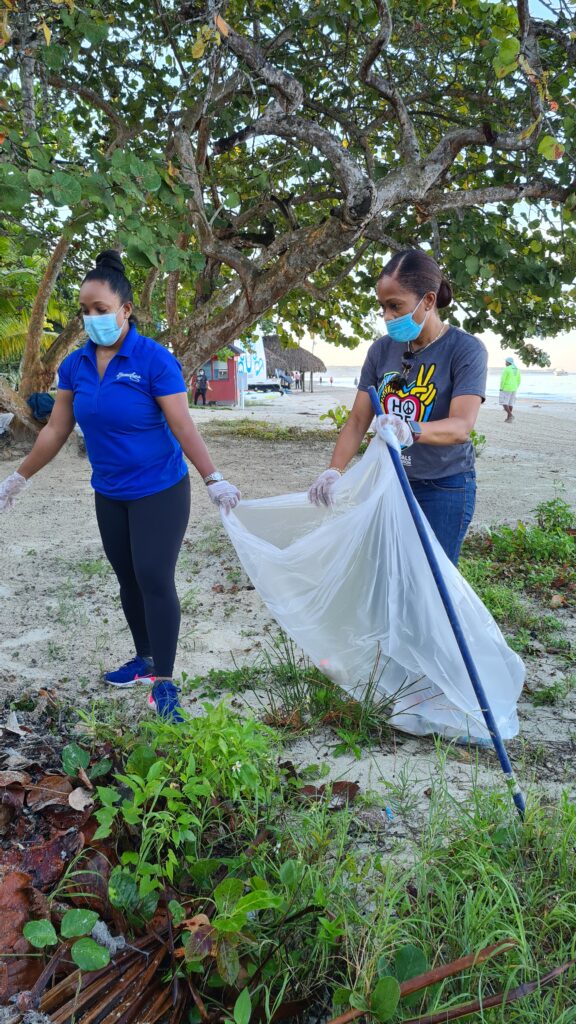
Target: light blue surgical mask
[
  {"x": 103, "y": 330},
  {"x": 405, "y": 328}
]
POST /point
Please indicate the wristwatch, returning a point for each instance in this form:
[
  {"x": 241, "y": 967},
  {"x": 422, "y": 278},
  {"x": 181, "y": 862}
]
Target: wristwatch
[
  {"x": 213, "y": 478},
  {"x": 415, "y": 429}
]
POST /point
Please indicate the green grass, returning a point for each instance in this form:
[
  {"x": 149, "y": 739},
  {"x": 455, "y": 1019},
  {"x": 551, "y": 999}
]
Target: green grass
[
  {"x": 516, "y": 570},
  {"x": 539, "y": 559},
  {"x": 261, "y": 430},
  {"x": 468, "y": 873},
  {"x": 556, "y": 693},
  {"x": 92, "y": 567}
]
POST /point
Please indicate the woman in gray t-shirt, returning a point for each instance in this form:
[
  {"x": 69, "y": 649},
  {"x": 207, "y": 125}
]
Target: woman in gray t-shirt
[{"x": 431, "y": 379}]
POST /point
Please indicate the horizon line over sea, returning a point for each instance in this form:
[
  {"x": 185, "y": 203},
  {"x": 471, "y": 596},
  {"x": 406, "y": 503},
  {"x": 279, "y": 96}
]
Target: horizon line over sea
[{"x": 543, "y": 384}]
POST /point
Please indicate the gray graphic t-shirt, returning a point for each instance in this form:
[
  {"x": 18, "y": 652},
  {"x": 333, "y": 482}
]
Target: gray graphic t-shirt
[{"x": 454, "y": 365}]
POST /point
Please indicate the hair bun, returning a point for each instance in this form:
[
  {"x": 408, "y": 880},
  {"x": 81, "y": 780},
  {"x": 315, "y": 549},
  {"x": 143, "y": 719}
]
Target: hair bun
[
  {"x": 444, "y": 294},
  {"x": 110, "y": 258}
]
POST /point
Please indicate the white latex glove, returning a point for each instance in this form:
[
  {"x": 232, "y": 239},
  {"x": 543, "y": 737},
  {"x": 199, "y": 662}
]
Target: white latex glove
[
  {"x": 225, "y": 495},
  {"x": 321, "y": 491},
  {"x": 10, "y": 489},
  {"x": 398, "y": 426}
]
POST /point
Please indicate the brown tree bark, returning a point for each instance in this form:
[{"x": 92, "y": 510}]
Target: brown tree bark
[
  {"x": 33, "y": 372},
  {"x": 23, "y": 424}
]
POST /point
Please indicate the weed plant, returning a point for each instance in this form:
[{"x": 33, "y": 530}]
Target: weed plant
[
  {"x": 261, "y": 430},
  {"x": 538, "y": 558},
  {"x": 298, "y": 901}
]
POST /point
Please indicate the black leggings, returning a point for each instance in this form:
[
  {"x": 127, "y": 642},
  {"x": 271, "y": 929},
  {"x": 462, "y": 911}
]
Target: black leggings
[{"x": 142, "y": 540}]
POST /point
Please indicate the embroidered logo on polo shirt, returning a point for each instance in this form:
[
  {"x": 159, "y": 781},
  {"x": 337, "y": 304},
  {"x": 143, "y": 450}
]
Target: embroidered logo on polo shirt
[{"x": 131, "y": 376}]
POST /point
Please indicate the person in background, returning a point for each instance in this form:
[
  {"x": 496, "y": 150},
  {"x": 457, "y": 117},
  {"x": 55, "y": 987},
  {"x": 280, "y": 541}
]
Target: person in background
[
  {"x": 201, "y": 386},
  {"x": 431, "y": 381},
  {"x": 129, "y": 397},
  {"x": 355, "y": 382},
  {"x": 509, "y": 384}
]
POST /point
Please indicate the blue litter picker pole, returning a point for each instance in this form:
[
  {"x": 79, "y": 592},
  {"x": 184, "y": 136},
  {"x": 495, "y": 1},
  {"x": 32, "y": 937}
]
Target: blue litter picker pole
[{"x": 517, "y": 794}]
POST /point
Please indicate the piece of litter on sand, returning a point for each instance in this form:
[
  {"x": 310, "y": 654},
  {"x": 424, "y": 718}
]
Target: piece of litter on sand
[
  {"x": 389, "y": 813},
  {"x": 13, "y": 725}
]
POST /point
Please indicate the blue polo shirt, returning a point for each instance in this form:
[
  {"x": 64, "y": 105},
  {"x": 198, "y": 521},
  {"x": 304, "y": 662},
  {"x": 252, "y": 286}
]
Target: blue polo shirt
[{"x": 132, "y": 451}]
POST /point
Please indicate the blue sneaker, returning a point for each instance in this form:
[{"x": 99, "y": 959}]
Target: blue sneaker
[
  {"x": 139, "y": 670},
  {"x": 164, "y": 700}
]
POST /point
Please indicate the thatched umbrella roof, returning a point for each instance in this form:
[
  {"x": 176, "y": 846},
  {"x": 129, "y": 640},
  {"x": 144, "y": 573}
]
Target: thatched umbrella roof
[
  {"x": 275, "y": 360},
  {"x": 293, "y": 358}
]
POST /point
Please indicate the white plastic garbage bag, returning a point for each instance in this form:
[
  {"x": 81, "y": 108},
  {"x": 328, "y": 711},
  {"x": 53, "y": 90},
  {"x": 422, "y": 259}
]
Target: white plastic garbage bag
[{"x": 352, "y": 586}]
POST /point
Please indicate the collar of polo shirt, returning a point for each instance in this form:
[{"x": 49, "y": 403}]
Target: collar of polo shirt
[{"x": 125, "y": 351}]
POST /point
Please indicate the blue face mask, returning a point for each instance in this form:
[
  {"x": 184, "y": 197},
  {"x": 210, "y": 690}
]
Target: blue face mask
[
  {"x": 405, "y": 328},
  {"x": 103, "y": 330}
]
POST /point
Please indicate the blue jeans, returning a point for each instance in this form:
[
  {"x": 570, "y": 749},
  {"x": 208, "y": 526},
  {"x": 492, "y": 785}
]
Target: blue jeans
[{"x": 448, "y": 504}]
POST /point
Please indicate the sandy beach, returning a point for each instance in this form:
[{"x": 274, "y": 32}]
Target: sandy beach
[
  {"x": 524, "y": 462},
  {"x": 60, "y": 619},
  {"x": 61, "y": 624}
]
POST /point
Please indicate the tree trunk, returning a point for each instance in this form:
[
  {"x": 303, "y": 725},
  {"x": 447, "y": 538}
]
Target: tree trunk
[
  {"x": 60, "y": 348},
  {"x": 40, "y": 378},
  {"x": 214, "y": 328},
  {"x": 33, "y": 371},
  {"x": 23, "y": 423}
]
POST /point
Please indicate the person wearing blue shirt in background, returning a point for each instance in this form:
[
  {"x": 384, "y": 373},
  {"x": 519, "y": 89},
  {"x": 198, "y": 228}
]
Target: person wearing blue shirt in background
[{"x": 128, "y": 395}]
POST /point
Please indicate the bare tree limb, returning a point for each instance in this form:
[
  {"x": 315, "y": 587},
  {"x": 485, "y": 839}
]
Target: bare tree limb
[
  {"x": 57, "y": 351},
  {"x": 359, "y": 190},
  {"x": 148, "y": 290},
  {"x": 91, "y": 96},
  {"x": 460, "y": 198},
  {"x": 209, "y": 244},
  {"x": 286, "y": 88},
  {"x": 321, "y": 293},
  {"x": 173, "y": 284},
  {"x": 409, "y": 146},
  {"x": 529, "y": 59},
  {"x": 27, "y": 70}
]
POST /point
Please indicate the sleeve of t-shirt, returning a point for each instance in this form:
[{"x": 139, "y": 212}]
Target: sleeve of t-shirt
[
  {"x": 166, "y": 375},
  {"x": 64, "y": 375},
  {"x": 369, "y": 373},
  {"x": 469, "y": 369}
]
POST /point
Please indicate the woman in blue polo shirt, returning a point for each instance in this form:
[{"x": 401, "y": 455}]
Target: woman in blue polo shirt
[{"x": 129, "y": 397}]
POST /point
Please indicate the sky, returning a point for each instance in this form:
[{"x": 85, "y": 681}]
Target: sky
[{"x": 562, "y": 351}]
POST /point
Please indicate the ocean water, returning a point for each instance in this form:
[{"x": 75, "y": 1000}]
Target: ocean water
[{"x": 535, "y": 384}]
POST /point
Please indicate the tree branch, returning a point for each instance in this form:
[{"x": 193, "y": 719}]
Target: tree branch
[
  {"x": 433, "y": 204},
  {"x": 321, "y": 293},
  {"x": 529, "y": 60},
  {"x": 148, "y": 290},
  {"x": 409, "y": 145},
  {"x": 27, "y": 69},
  {"x": 210, "y": 245},
  {"x": 285, "y": 87},
  {"x": 90, "y": 95},
  {"x": 359, "y": 190},
  {"x": 58, "y": 350}
]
